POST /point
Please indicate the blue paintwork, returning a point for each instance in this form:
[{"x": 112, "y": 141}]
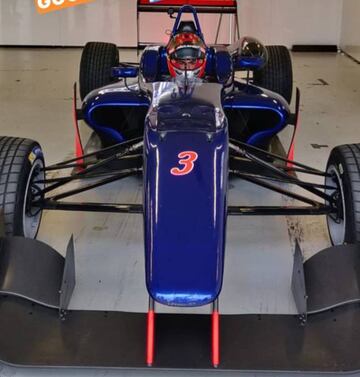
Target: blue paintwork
[
  {"x": 245, "y": 97},
  {"x": 210, "y": 62},
  {"x": 223, "y": 66},
  {"x": 185, "y": 216},
  {"x": 150, "y": 64},
  {"x": 249, "y": 63},
  {"x": 252, "y": 97},
  {"x": 126, "y": 72},
  {"x": 112, "y": 95},
  {"x": 164, "y": 69}
]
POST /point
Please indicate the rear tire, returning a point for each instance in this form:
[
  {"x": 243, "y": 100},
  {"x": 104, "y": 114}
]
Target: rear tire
[
  {"x": 97, "y": 59},
  {"x": 344, "y": 167},
  {"x": 21, "y": 163},
  {"x": 277, "y": 74}
]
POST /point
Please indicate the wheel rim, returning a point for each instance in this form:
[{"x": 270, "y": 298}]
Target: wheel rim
[
  {"x": 336, "y": 224},
  {"x": 31, "y": 214}
]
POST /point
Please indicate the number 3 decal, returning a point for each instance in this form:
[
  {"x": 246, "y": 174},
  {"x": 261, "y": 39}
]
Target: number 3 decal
[{"x": 186, "y": 159}]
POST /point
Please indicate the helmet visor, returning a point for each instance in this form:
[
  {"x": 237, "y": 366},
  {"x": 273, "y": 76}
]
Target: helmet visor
[
  {"x": 187, "y": 57},
  {"x": 187, "y": 53}
]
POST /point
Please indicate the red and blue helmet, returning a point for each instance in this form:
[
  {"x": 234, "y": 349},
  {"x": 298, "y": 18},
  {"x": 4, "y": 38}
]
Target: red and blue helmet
[{"x": 186, "y": 52}]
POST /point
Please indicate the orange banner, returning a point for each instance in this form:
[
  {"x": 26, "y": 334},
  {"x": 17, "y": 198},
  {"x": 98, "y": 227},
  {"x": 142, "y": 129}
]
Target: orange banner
[{"x": 46, "y": 6}]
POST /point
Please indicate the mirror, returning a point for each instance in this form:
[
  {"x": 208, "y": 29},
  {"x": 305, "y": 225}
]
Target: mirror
[
  {"x": 124, "y": 72},
  {"x": 248, "y": 54}
]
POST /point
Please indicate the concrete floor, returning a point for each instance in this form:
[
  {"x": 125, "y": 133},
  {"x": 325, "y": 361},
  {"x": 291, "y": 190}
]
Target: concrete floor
[{"x": 35, "y": 102}]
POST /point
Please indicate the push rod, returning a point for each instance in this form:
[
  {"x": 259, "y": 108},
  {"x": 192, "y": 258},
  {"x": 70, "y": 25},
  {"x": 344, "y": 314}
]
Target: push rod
[
  {"x": 282, "y": 180},
  {"x": 90, "y": 169},
  {"x": 279, "y": 190},
  {"x": 90, "y": 207},
  {"x": 96, "y": 153},
  {"x": 276, "y": 156},
  {"x": 279, "y": 211},
  {"x": 296, "y": 181},
  {"x": 305, "y": 171},
  {"x": 122, "y": 164},
  {"x": 281, "y": 173},
  {"x": 91, "y": 186}
]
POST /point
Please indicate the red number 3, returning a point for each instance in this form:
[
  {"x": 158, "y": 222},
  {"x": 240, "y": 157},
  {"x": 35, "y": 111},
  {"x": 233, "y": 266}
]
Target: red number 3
[{"x": 186, "y": 159}]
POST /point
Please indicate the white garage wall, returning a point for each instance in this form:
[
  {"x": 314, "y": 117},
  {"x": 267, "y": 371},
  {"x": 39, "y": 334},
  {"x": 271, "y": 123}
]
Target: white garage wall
[
  {"x": 273, "y": 21},
  {"x": 284, "y": 22},
  {"x": 291, "y": 22},
  {"x": 108, "y": 20},
  {"x": 350, "y": 31}
]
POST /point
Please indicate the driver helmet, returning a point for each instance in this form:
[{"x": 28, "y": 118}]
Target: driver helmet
[{"x": 186, "y": 55}]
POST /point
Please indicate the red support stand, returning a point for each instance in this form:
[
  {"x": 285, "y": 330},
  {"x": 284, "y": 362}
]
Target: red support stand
[
  {"x": 215, "y": 335},
  {"x": 150, "y": 335},
  {"x": 291, "y": 153},
  {"x": 79, "y": 150}
]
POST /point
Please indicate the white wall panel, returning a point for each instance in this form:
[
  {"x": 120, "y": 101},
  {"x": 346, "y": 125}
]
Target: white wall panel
[
  {"x": 108, "y": 20},
  {"x": 20, "y": 24},
  {"x": 285, "y": 22},
  {"x": 350, "y": 31},
  {"x": 104, "y": 20},
  {"x": 291, "y": 22}
]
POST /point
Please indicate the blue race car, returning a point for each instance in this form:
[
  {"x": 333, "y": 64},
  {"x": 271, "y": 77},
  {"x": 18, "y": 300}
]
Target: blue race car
[
  {"x": 184, "y": 121},
  {"x": 185, "y": 105}
]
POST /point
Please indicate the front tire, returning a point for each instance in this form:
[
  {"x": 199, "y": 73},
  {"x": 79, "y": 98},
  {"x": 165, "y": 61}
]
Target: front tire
[
  {"x": 277, "y": 74},
  {"x": 344, "y": 169},
  {"x": 97, "y": 59},
  {"x": 21, "y": 165}
]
